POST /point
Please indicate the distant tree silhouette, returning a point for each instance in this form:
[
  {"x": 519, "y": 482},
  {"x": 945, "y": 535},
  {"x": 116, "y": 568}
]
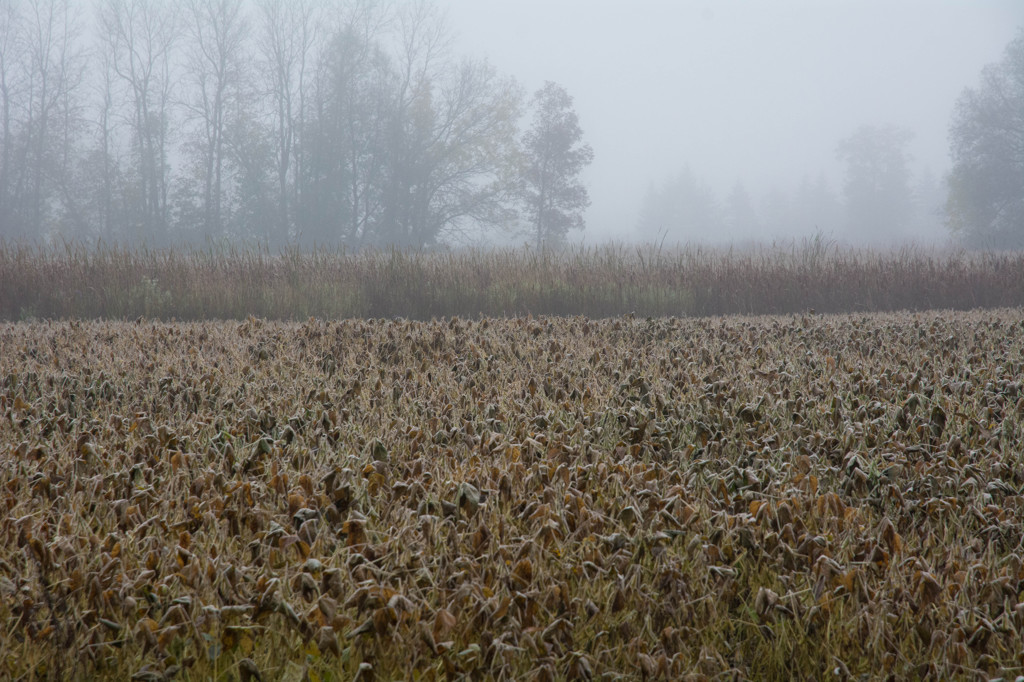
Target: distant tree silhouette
[
  {"x": 986, "y": 186},
  {"x": 555, "y": 154}
]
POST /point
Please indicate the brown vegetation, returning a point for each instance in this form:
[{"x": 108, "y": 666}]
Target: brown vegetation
[
  {"x": 78, "y": 282},
  {"x": 781, "y": 498}
]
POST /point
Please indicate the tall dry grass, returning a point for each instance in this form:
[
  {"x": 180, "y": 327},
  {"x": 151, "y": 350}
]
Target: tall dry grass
[{"x": 77, "y": 281}]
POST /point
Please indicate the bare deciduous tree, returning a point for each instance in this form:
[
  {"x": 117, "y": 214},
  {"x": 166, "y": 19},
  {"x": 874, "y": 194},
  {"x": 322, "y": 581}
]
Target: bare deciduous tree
[
  {"x": 217, "y": 31},
  {"x": 9, "y": 73},
  {"x": 42, "y": 66},
  {"x": 290, "y": 31},
  {"x": 140, "y": 37},
  {"x": 340, "y": 121},
  {"x": 450, "y": 136}
]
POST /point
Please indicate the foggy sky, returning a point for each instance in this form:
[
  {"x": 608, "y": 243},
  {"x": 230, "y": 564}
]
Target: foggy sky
[{"x": 751, "y": 91}]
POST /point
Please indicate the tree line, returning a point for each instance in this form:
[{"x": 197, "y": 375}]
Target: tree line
[
  {"x": 281, "y": 121},
  {"x": 879, "y": 201},
  {"x": 980, "y": 201}
]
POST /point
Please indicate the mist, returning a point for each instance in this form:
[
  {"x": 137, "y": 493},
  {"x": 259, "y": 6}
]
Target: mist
[
  {"x": 428, "y": 124},
  {"x": 757, "y": 93}
]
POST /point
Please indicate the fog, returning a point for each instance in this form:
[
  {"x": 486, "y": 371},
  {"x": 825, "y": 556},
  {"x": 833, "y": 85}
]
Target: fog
[
  {"x": 754, "y": 92},
  {"x": 425, "y": 124}
]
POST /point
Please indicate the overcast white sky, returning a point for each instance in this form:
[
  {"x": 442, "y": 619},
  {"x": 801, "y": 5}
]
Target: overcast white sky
[{"x": 753, "y": 90}]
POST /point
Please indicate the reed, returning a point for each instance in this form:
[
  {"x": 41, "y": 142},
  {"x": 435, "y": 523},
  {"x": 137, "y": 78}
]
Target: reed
[{"x": 114, "y": 282}]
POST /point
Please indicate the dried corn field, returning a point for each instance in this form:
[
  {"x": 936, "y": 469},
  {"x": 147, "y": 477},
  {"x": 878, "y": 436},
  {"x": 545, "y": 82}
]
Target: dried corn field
[{"x": 802, "y": 497}]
